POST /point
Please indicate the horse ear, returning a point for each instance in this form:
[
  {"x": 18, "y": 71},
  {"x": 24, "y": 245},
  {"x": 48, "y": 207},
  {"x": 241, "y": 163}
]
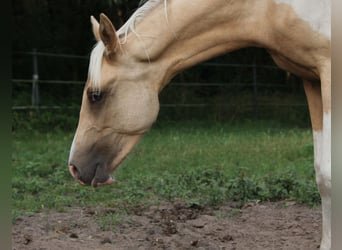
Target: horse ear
[
  {"x": 96, "y": 28},
  {"x": 108, "y": 34}
]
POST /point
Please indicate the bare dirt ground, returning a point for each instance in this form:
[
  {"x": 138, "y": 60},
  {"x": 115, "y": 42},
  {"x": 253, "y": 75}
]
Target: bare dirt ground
[{"x": 280, "y": 225}]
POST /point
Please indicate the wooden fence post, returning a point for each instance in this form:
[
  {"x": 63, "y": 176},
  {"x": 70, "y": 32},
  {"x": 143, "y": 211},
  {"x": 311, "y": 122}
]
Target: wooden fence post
[
  {"x": 255, "y": 92},
  {"x": 35, "y": 77}
]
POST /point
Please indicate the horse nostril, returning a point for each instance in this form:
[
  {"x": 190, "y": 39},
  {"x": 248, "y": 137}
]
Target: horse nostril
[{"x": 73, "y": 171}]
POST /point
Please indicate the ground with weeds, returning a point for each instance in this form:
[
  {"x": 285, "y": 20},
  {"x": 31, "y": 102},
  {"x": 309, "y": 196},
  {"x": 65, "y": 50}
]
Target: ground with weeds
[
  {"x": 172, "y": 191},
  {"x": 277, "y": 225}
]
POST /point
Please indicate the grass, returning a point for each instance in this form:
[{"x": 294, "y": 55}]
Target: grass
[{"x": 199, "y": 163}]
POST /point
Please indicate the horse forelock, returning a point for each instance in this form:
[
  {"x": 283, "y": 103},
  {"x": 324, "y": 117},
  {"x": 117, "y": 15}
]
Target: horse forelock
[
  {"x": 94, "y": 71},
  {"x": 96, "y": 56}
]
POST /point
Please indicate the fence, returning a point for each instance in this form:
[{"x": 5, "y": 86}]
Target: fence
[
  {"x": 254, "y": 84},
  {"x": 35, "y": 96}
]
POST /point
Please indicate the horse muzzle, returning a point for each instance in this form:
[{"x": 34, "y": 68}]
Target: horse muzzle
[{"x": 100, "y": 177}]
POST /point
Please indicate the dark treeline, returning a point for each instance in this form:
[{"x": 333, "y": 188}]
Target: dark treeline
[{"x": 63, "y": 27}]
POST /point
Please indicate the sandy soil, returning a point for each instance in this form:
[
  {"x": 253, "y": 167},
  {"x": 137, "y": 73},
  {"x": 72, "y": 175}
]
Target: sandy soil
[{"x": 280, "y": 225}]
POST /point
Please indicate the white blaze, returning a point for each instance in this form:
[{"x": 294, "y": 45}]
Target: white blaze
[{"x": 72, "y": 149}]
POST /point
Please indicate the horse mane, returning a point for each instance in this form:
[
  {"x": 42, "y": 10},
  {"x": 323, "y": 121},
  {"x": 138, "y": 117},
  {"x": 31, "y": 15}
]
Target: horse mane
[
  {"x": 96, "y": 56},
  {"x": 138, "y": 15}
]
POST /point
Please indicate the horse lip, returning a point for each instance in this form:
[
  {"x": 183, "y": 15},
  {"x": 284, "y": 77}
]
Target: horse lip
[
  {"x": 109, "y": 181},
  {"x": 81, "y": 182}
]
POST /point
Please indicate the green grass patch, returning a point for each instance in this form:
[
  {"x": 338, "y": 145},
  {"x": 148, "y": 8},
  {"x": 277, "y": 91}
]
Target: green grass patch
[{"x": 199, "y": 163}]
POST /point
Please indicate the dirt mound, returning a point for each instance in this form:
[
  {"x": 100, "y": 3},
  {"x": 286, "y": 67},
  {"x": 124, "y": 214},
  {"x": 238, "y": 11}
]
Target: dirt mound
[{"x": 281, "y": 225}]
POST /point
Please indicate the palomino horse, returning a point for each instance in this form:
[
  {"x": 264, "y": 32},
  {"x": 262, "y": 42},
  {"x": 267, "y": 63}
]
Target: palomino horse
[{"x": 130, "y": 67}]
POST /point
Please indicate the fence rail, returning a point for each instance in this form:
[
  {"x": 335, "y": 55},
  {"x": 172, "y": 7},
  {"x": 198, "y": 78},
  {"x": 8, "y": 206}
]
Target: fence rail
[{"x": 36, "y": 82}]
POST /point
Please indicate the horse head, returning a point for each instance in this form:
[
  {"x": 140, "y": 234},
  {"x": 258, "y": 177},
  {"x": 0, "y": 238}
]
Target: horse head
[{"x": 119, "y": 105}]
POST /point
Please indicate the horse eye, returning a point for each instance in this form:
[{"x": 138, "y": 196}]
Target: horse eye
[{"x": 94, "y": 96}]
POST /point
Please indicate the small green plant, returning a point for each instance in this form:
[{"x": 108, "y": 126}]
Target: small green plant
[
  {"x": 243, "y": 187},
  {"x": 306, "y": 192}
]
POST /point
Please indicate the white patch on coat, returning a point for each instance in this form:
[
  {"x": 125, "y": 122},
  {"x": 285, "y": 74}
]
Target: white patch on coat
[
  {"x": 326, "y": 144},
  {"x": 316, "y": 12},
  {"x": 317, "y": 136},
  {"x": 322, "y": 151}
]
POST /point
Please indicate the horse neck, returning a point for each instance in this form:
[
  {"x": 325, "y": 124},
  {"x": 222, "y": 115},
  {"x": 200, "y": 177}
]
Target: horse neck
[{"x": 181, "y": 34}]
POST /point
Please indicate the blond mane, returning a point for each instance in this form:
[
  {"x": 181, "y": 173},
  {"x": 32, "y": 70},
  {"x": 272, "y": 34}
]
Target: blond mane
[{"x": 96, "y": 56}]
